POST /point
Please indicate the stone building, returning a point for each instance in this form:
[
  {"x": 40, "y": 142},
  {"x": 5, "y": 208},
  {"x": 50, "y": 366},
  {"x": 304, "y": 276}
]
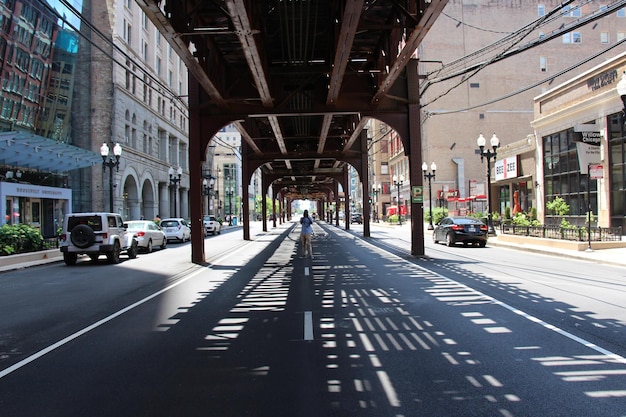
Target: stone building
[{"x": 131, "y": 89}]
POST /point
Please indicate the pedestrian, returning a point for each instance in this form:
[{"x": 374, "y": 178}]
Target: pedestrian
[{"x": 305, "y": 234}]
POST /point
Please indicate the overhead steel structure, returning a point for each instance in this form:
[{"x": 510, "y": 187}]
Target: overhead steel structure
[{"x": 299, "y": 79}]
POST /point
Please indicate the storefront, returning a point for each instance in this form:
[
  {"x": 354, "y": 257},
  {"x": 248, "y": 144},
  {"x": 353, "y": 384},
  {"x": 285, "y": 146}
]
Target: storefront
[
  {"x": 34, "y": 170},
  {"x": 39, "y": 206},
  {"x": 514, "y": 182},
  {"x": 579, "y": 124}
]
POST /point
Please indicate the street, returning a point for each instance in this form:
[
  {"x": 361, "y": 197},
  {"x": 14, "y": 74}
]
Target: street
[{"x": 360, "y": 330}]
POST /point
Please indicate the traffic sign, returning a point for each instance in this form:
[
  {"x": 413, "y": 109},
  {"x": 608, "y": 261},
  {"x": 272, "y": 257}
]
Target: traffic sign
[{"x": 417, "y": 194}]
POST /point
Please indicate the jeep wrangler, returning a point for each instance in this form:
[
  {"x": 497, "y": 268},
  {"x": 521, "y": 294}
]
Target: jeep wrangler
[{"x": 95, "y": 234}]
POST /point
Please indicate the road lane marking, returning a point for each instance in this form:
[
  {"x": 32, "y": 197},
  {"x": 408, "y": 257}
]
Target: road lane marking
[
  {"x": 306, "y": 271},
  {"x": 536, "y": 320},
  {"x": 308, "y": 325},
  {"x": 107, "y": 319}
]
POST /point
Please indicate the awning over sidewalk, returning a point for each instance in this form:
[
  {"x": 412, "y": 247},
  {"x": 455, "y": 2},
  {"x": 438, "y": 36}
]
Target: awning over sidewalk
[{"x": 27, "y": 150}]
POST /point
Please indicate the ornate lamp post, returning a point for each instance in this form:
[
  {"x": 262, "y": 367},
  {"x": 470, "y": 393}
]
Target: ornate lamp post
[
  {"x": 375, "y": 192},
  {"x": 489, "y": 154},
  {"x": 398, "y": 183},
  {"x": 110, "y": 161},
  {"x": 175, "y": 177},
  {"x": 430, "y": 176},
  {"x": 208, "y": 185},
  {"x": 229, "y": 192}
]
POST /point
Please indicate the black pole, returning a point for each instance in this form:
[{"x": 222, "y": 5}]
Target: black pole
[
  {"x": 429, "y": 176},
  {"x": 399, "y": 212},
  {"x": 175, "y": 202},
  {"x": 589, "y": 206},
  {"x": 110, "y": 189}
]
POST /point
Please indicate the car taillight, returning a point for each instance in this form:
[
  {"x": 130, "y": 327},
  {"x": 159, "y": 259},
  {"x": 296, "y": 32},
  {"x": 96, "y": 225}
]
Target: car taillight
[
  {"x": 63, "y": 236},
  {"x": 179, "y": 227},
  {"x": 484, "y": 227},
  {"x": 457, "y": 227},
  {"x": 141, "y": 234}
]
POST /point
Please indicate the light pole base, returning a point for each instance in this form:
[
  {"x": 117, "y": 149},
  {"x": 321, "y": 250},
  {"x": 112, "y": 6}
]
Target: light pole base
[{"x": 430, "y": 227}]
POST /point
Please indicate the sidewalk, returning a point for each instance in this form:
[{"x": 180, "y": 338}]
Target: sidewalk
[{"x": 615, "y": 256}]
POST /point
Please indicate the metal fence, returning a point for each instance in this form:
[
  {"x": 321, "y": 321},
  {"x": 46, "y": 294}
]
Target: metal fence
[{"x": 598, "y": 234}]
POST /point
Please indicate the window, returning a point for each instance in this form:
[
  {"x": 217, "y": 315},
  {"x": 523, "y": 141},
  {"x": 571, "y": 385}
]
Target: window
[
  {"x": 127, "y": 31},
  {"x": 604, "y": 37},
  {"x": 620, "y": 36},
  {"x": 621, "y": 12},
  {"x": 571, "y": 11},
  {"x": 572, "y": 37},
  {"x": 541, "y": 10},
  {"x": 562, "y": 173},
  {"x": 543, "y": 63}
]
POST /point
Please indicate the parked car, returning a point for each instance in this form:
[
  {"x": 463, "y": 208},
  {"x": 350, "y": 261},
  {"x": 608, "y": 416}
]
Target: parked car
[
  {"x": 356, "y": 218},
  {"x": 467, "y": 230},
  {"x": 148, "y": 234},
  {"x": 212, "y": 225},
  {"x": 95, "y": 234},
  {"x": 176, "y": 229}
]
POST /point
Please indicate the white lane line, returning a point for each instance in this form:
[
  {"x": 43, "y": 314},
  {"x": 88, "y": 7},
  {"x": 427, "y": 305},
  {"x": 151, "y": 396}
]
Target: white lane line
[
  {"x": 562, "y": 332},
  {"x": 105, "y": 320},
  {"x": 308, "y": 325}
]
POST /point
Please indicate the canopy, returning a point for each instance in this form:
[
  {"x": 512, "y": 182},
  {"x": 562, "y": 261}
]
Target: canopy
[{"x": 27, "y": 150}]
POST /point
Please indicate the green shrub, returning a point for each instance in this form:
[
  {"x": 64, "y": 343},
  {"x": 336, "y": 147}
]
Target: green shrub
[
  {"x": 19, "y": 238},
  {"x": 438, "y": 214}
]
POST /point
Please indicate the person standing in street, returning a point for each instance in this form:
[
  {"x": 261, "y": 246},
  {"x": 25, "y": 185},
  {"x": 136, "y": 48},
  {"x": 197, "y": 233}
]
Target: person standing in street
[{"x": 305, "y": 234}]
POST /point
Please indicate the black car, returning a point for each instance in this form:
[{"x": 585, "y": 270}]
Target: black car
[
  {"x": 467, "y": 230},
  {"x": 356, "y": 218}
]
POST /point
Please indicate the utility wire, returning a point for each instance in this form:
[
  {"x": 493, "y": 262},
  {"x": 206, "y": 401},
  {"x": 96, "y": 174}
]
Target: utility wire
[
  {"x": 538, "y": 83},
  {"x": 506, "y": 54}
]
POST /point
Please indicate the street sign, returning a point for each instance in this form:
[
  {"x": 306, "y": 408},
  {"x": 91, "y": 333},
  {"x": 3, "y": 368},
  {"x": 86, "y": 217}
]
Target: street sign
[
  {"x": 596, "y": 172},
  {"x": 417, "y": 194}
]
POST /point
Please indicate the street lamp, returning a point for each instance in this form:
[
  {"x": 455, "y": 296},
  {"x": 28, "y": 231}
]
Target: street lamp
[
  {"x": 229, "y": 192},
  {"x": 110, "y": 161},
  {"x": 208, "y": 185},
  {"x": 621, "y": 91},
  {"x": 175, "y": 177},
  {"x": 489, "y": 154},
  {"x": 430, "y": 176},
  {"x": 398, "y": 183},
  {"x": 376, "y": 190}
]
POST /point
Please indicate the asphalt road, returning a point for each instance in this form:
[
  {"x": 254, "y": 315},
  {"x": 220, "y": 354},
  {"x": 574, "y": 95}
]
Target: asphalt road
[{"x": 361, "y": 330}]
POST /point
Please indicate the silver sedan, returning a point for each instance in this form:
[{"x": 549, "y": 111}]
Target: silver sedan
[{"x": 148, "y": 233}]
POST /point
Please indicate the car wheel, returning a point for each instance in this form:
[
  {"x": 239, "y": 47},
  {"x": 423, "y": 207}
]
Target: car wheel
[
  {"x": 482, "y": 243},
  {"x": 450, "y": 239},
  {"x": 149, "y": 247},
  {"x": 164, "y": 243},
  {"x": 133, "y": 250},
  {"x": 435, "y": 240},
  {"x": 114, "y": 255},
  {"x": 70, "y": 258},
  {"x": 82, "y": 236}
]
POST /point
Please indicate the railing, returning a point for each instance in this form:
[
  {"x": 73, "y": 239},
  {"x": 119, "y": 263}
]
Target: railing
[{"x": 598, "y": 234}]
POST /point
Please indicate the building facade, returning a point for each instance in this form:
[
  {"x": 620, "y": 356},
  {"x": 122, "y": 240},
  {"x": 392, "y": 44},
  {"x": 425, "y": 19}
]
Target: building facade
[
  {"x": 581, "y": 146},
  {"x": 131, "y": 88},
  {"x": 468, "y": 89},
  {"x": 75, "y": 78}
]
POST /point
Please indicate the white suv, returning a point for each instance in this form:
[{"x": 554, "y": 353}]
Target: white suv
[{"x": 94, "y": 234}]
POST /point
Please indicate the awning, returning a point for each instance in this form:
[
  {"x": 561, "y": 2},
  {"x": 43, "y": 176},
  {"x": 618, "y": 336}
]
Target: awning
[{"x": 27, "y": 150}]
